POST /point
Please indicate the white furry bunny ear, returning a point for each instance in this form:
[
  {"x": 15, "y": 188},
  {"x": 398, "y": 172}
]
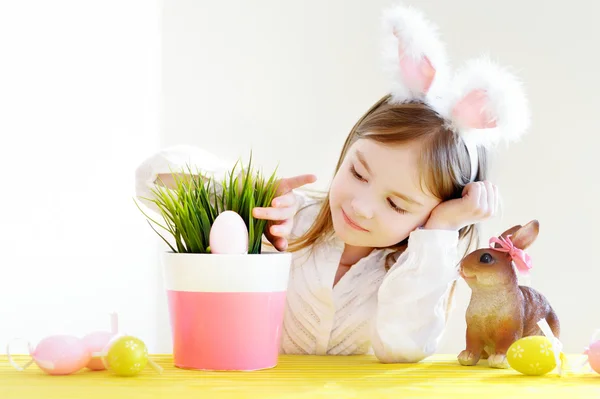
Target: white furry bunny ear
[
  {"x": 413, "y": 55},
  {"x": 489, "y": 104}
]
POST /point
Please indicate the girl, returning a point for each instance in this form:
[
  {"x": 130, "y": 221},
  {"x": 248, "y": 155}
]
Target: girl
[{"x": 375, "y": 260}]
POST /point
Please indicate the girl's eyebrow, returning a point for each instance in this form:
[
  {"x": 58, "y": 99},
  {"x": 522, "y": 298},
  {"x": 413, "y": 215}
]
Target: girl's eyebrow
[{"x": 363, "y": 161}]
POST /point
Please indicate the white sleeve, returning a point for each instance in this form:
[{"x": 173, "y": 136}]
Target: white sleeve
[
  {"x": 411, "y": 306},
  {"x": 175, "y": 159}
]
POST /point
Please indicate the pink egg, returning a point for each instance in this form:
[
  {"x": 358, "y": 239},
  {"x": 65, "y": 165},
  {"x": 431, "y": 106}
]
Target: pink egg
[
  {"x": 97, "y": 342},
  {"x": 594, "y": 356},
  {"x": 229, "y": 234},
  {"x": 61, "y": 354}
]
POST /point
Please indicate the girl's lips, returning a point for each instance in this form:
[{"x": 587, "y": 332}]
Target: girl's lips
[{"x": 352, "y": 224}]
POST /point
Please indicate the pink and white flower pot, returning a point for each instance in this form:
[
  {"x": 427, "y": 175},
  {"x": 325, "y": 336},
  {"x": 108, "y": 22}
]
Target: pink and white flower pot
[{"x": 226, "y": 311}]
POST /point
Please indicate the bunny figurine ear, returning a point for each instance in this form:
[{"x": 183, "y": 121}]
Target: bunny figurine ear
[
  {"x": 488, "y": 104},
  {"x": 414, "y": 56}
]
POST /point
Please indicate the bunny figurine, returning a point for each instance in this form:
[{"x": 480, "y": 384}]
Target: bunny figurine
[{"x": 501, "y": 311}]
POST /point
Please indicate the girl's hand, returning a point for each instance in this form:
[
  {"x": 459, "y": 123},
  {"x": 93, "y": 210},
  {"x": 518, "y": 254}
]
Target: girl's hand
[
  {"x": 284, "y": 207},
  {"x": 479, "y": 202}
]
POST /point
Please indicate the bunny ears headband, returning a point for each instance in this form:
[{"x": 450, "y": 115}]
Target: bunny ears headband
[{"x": 483, "y": 103}]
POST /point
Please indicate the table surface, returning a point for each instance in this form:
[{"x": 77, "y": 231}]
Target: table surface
[{"x": 304, "y": 377}]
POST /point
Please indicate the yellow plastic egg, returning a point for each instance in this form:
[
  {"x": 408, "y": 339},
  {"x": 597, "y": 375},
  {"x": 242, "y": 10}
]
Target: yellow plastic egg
[
  {"x": 532, "y": 355},
  {"x": 127, "y": 356}
]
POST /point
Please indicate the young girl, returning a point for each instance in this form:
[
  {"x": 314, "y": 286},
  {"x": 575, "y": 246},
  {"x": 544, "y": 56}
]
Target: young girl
[{"x": 375, "y": 260}]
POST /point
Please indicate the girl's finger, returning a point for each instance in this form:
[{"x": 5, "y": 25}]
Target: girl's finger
[
  {"x": 280, "y": 244},
  {"x": 471, "y": 192},
  {"x": 282, "y": 229},
  {"x": 483, "y": 199},
  {"x": 273, "y": 213},
  {"x": 491, "y": 201},
  {"x": 290, "y": 183},
  {"x": 288, "y": 199}
]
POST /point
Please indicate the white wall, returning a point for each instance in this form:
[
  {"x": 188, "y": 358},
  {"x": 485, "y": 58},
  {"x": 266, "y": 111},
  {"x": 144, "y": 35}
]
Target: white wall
[
  {"x": 79, "y": 110},
  {"x": 81, "y": 86}
]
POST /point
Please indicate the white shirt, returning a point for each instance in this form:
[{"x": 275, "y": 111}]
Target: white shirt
[{"x": 399, "y": 315}]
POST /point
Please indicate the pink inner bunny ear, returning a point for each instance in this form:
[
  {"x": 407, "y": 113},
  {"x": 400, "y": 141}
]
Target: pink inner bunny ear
[
  {"x": 418, "y": 75},
  {"x": 472, "y": 111}
]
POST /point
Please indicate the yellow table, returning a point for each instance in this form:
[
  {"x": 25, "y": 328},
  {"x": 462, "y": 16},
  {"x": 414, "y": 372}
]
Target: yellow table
[{"x": 305, "y": 377}]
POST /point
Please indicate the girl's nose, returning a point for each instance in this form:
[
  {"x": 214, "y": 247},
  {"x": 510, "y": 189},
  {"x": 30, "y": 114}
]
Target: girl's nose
[{"x": 362, "y": 209}]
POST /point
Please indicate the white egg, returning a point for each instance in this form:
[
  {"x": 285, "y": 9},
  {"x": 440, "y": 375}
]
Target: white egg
[{"x": 228, "y": 234}]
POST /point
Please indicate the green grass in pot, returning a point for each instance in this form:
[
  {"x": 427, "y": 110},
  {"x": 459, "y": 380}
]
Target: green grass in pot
[{"x": 190, "y": 209}]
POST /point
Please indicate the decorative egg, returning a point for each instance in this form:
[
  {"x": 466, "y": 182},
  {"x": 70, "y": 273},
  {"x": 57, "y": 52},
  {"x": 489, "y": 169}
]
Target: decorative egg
[
  {"x": 97, "y": 342},
  {"x": 126, "y": 356},
  {"x": 228, "y": 234},
  {"x": 61, "y": 354},
  {"x": 532, "y": 355},
  {"x": 593, "y": 354}
]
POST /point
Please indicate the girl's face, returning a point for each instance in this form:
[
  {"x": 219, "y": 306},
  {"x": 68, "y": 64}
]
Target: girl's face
[{"x": 375, "y": 198}]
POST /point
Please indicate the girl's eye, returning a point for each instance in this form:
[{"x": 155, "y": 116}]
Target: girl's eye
[
  {"x": 355, "y": 173},
  {"x": 396, "y": 207}
]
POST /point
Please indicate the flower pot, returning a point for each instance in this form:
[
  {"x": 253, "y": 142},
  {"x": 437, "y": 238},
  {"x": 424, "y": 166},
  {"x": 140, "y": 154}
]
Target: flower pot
[{"x": 226, "y": 311}]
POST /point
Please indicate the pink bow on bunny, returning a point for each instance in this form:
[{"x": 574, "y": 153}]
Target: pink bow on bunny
[{"x": 518, "y": 256}]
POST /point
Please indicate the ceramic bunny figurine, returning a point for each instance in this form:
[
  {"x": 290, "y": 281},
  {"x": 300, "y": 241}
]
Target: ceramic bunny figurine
[{"x": 501, "y": 311}]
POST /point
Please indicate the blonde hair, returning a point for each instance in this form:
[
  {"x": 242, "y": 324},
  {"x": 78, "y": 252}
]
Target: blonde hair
[{"x": 444, "y": 161}]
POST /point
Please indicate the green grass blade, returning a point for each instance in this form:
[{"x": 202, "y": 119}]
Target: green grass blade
[{"x": 167, "y": 242}]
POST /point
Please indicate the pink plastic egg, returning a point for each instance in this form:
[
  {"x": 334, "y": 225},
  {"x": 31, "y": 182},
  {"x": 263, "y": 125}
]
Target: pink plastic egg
[
  {"x": 228, "y": 234},
  {"x": 61, "y": 354},
  {"x": 96, "y": 343},
  {"x": 593, "y": 353}
]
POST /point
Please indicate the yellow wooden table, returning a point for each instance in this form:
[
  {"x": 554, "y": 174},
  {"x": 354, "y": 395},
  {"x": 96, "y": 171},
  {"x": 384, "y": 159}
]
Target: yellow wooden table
[{"x": 305, "y": 377}]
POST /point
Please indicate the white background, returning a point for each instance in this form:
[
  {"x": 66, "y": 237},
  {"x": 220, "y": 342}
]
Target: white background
[{"x": 88, "y": 90}]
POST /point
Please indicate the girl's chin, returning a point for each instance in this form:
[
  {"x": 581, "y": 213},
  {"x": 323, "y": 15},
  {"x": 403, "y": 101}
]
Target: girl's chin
[
  {"x": 355, "y": 239},
  {"x": 350, "y": 237}
]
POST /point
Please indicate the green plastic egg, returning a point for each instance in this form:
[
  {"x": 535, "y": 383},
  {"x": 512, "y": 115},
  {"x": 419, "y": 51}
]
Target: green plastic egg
[
  {"x": 127, "y": 356},
  {"x": 531, "y": 355}
]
